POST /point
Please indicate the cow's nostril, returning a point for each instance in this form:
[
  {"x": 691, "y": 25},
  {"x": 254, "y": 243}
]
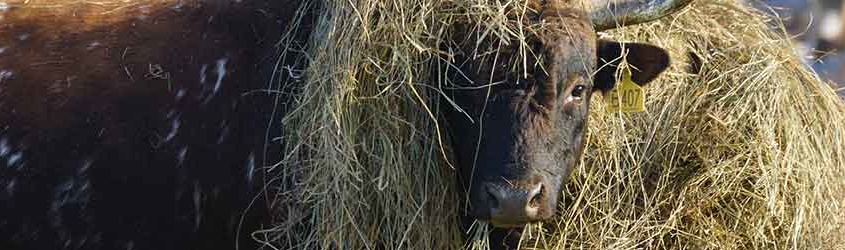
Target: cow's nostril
[{"x": 537, "y": 196}]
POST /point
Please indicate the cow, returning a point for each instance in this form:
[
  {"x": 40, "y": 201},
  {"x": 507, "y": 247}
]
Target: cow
[{"x": 143, "y": 124}]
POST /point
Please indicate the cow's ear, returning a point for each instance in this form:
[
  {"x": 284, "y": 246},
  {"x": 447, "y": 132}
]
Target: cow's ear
[{"x": 646, "y": 62}]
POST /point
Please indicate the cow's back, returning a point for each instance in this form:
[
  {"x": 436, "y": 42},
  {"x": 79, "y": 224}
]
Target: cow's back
[{"x": 133, "y": 124}]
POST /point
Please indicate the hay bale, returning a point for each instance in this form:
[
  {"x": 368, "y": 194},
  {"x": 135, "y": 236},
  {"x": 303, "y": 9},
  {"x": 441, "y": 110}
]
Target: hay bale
[{"x": 746, "y": 154}]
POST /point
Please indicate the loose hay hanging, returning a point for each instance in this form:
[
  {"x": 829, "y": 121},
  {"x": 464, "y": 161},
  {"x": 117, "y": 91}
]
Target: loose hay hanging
[{"x": 746, "y": 154}]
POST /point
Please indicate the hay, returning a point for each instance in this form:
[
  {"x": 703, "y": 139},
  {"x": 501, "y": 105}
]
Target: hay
[
  {"x": 362, "y": 168},
  {"x": 747, "y": 154}
]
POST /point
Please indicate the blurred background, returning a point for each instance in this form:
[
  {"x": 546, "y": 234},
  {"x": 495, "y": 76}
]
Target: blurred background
[{"x": 817, "y": 27}]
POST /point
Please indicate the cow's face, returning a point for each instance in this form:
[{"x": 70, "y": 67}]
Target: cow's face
[{"x": 523, "y": 128}]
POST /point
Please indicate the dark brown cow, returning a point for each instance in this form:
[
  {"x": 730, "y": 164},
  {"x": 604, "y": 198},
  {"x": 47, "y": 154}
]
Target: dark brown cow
[
  {"x": 137, "y": 125},
  {"x": 134, "y": 125}
]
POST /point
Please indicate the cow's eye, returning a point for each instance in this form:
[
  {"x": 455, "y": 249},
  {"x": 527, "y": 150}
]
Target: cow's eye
[{"x": 578, "y": 92}]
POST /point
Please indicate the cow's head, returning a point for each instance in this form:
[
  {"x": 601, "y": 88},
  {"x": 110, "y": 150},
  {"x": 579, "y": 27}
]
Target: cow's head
[{"x": 521, "y": 129}]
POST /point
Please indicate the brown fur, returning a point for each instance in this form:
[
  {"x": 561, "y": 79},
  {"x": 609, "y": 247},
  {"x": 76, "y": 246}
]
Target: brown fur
[{"x": 116, "y": 129}]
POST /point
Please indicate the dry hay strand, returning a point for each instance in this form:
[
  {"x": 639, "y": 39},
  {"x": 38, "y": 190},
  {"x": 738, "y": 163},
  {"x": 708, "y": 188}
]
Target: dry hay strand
[{"x": 746, "y": 154}]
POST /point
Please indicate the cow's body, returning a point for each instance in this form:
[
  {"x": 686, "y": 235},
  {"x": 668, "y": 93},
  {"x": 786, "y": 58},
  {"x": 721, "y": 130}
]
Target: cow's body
[{"x": 134, "y": 125}]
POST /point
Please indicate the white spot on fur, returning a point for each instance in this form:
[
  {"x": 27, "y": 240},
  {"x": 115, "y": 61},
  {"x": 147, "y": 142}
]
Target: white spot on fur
[
  {"x": 197, "y": 204},
  {"x": 85, "y": 186},
  {"x": 250, "y": 169},
  {"x": 174, "y": 129},
  {"x": 180, "y": 157},
  {"x": 14, "y": 159},
  {"x": 4, "y": 147},
  {"x": 86, "y": 164},
  {"x": 170, "y": 113},
  {"x": 5, "y": 74},
  {"x": 65, "y": 187},
  {"x": 10, "y": 187},
  {"x": 178, "y": 6},
  {"x": 223, "y": 134},
  {"x": 180, "y": 94},
  {"x": 221, "y": 73},
  {"x": 23, "y": 37},
  {"x": 94, "y": 45},
  {"x": 203, "y": 69},
  {"x": 3, "y": 50}
]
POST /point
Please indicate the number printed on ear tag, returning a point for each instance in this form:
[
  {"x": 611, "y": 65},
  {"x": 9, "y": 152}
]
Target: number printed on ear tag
[{"x": 627, "y": 97}]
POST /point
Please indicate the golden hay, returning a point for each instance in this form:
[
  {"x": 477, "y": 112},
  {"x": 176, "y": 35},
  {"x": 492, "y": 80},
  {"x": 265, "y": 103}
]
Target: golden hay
[{"x": 747, "y": 154}]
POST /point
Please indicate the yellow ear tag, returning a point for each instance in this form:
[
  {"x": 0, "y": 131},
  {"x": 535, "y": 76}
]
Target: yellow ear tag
[{"x": 628, "y": 96}]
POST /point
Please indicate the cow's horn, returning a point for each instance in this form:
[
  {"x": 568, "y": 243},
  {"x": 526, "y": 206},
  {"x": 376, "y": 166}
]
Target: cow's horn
[{"x": 609, "y": 14}]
